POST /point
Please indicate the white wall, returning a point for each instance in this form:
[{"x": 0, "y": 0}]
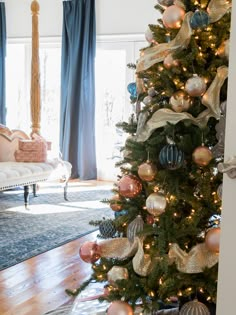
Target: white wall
[{"x": 112, "y": 17}]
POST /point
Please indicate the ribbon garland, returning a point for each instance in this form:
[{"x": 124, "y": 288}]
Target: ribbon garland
[
  {"x": 152, "y": 55},
  {"x": 211, "y": 99},
  {"x": 198, "y": 258}
]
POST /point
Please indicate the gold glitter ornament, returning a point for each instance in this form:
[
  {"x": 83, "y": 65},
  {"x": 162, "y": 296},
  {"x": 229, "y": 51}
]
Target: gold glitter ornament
[
  {"x": 114, "y": 204},
  {"x": 147, "y": 171},
  {"x": 202, "y": 155},
  {"x": 117, "y": 273}
]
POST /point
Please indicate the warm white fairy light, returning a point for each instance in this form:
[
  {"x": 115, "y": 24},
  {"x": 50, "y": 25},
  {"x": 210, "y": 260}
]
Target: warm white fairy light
[{"x": 160, "y": 281}]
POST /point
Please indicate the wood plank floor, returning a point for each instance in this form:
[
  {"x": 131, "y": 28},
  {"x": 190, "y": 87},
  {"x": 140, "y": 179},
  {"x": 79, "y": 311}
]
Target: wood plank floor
[{"x": 38, "y": 285}]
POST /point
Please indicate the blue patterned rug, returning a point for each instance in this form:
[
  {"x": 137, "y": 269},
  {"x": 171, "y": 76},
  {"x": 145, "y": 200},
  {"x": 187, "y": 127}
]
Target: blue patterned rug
[{"x": 50, "y": 222}]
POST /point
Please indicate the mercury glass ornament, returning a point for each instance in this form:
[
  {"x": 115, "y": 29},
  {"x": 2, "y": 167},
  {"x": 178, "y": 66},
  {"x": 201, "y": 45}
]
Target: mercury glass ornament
[
  {"x": 212, "y": 240},
  {"x": 120, "y": 308},
  {"x": 180, "y": 101},
  {"x": 156, "y": 204},
  {"x": 170, "y": 62},
  {"x": 114, "y": 203},
  {"x": 195, "y": 86},
  {"x": 194, "y": 308},
  {"x": 152, "y": 92},
  {"x": 147, "y": 100},
  {"x": 117, "y": 273},
  {"x": 129, "y": 186},
  {"x": 172, "y": 16},
  {"x": 202, "y": 155},
  {"x": 166, "y": 3},
  {"x": 90, "y": 252},
  {"x": 147, "y": 171},
  {"x": 135, "y": 227}
]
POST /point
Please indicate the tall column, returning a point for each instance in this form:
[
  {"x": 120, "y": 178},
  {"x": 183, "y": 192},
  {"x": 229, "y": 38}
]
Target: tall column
[{"x": 35, "y": 100}]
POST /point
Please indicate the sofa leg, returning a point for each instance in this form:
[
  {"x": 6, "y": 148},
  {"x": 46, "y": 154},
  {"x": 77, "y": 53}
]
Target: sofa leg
[
  {"x": 65, "y": 190},
  {"x": 26, "y": 196},
  {"x": 35, "y": 190}
]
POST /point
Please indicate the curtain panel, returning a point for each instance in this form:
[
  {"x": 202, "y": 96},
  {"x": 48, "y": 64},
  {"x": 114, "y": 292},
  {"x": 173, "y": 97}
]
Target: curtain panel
[
  {"x": 2, "y": 63},
  {"x": 77, "y": 125}
]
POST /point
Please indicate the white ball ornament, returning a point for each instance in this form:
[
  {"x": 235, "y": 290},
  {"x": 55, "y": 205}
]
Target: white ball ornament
[
  {"x": 149, "y": 35},
  {"x": 173, "y": 16},
  {"x": 195, "y": 86},
  {"x": 156, "y": 204}
]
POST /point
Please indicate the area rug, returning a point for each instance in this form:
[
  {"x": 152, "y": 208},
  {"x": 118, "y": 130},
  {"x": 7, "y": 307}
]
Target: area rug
[{"x": 50, "y": 222}]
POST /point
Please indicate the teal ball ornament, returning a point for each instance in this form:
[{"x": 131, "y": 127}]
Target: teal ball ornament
[
  {"x": 199, "y": 19},
  {"x": 194, "y": 308},
  {"x": 132, "y": 89},
  {"x": 171, "y": 157}
]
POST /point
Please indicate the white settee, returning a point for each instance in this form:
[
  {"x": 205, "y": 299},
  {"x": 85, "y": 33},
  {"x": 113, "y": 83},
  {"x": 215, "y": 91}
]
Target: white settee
[{"x": 13, "y": 174}]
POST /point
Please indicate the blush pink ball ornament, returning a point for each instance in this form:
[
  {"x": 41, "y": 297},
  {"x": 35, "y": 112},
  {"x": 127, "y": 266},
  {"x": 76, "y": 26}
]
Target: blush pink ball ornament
[
  {"x": 90, "y": 252},
  {"x": 173, "y": 16},
  {"x": 212, "y": 240},
  {"x": 129, "y": 186},
  {"x": 195, "y": 86},
  {"x": 202, "y": 155},
  {"x": 170, "y": 62},
  {"x": 120, "y": 308}
]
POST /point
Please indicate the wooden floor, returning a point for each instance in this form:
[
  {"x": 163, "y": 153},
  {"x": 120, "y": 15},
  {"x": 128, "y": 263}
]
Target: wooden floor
[{"x": 38, "y": 285}]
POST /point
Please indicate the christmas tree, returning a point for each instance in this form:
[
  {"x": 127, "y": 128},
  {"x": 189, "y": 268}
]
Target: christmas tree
[{"x": 163, "y": 244}]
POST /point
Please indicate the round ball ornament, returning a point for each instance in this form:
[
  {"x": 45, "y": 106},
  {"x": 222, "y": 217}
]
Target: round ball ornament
[
  {"x": 149, "y": 35},
  {"x": 202, "y": 155},
  {"x": 120, "y": 308},
  {"x": 147, "y": 100},
  {"x": 166, "y": 3},
  {"x": 152, "y": 92},
  {"x": 173, "y": 16},
  {"x": 170, "y": 62},
  {"x": 90, "y": 252},
  {"x": 107, "y": 229},
  {"x": 120, "y": 213},
  {"x": 129, "y": 186},
  {"x": 117, "y": 273},
  {"x": 223, "y": 50},
  {"x": 180, "y": 101},
  {"x": 220, "y": 191},
  {"x": 199, "y": 19},
  {"x": 171, "y": 157},
  {"x": 147, "y": 171},
  {"x": 156, "y": 204},
  {"x": 114, "y": 203},
  {"x": 132, "y": 89},
  {"x": 194, "y": 308},
  {"x": 195, "y": 86},
  {"x": 212, "y": 240}
]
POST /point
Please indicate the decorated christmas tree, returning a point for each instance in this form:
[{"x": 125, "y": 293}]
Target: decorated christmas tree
[{"x": 161, "y": 249}]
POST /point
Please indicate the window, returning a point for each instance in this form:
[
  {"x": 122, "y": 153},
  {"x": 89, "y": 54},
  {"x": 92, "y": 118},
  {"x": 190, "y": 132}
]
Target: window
[{"x": 112, "y": 99}]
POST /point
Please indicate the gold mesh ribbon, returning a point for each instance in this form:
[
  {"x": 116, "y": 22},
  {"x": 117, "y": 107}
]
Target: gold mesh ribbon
[
  {"x": 157, "y": 53},
  {"x": 195, "y": 261},
  {"x": 217, "y": 9},
  {"x": 122, "y": 248},
  {"x": 211, "y": 99}
]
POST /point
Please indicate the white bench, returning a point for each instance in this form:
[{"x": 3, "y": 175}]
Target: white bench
[{"x": 14, "y": 174}]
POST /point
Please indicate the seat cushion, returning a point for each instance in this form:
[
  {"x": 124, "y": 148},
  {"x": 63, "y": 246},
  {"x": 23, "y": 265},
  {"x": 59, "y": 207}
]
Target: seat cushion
[{"x": 14, "y": 174}]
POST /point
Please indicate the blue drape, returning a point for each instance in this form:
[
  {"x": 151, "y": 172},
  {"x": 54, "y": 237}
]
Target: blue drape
[
  {"x": 2, "y": 63},
  {"x": 77, "y": 125}
]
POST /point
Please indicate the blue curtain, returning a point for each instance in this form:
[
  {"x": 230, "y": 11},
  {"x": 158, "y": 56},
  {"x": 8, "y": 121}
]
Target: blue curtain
[
  {"x": 77, "y": 125},
  {"x": 2, "y": 63}
]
